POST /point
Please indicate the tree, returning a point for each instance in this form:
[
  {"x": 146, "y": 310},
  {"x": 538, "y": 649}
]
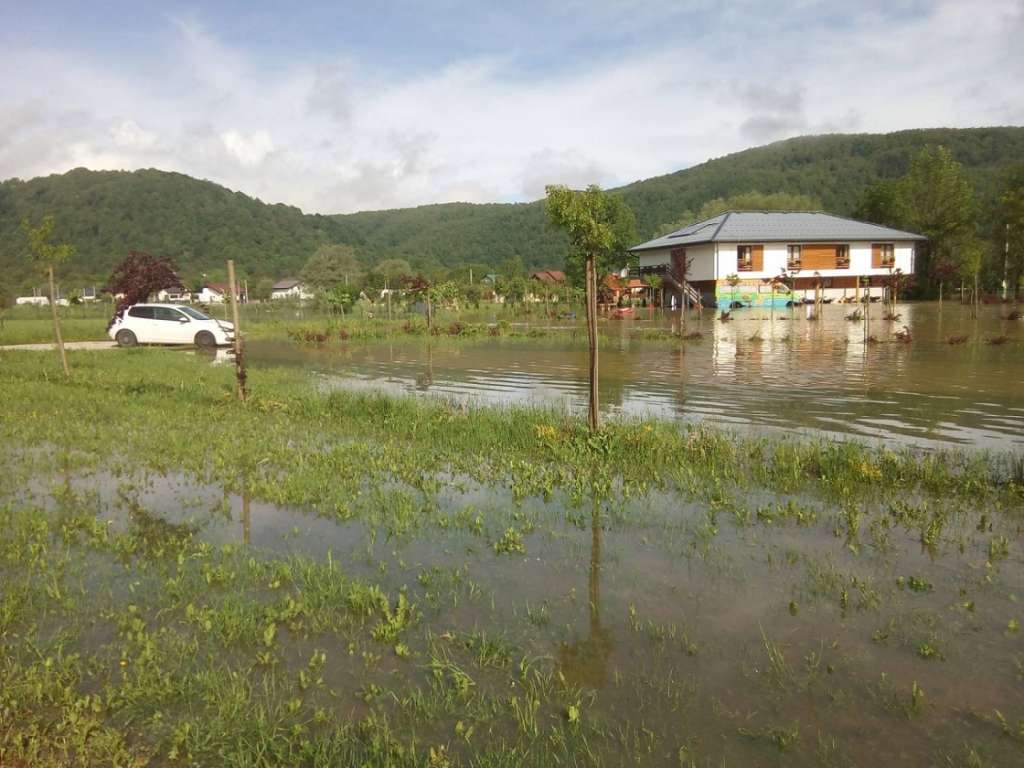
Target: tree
[
  {"x": 601, "y": 228},
  {"x": 1009, "y": 229},
  {"x": 473, "y": 293},
  {"x": 338, "y": 299},
  {"x": 943, "y": 271},
  {"x": 972, "y": 252},
  {"x": 332, "y": 265},
  {"x": 654, "y": 283},
  {"x": 882, "y": 203},
  {"x": 261, "y": 289},
  {"x": 47, "y": 255},
  {"x": 939, "y": 204},
  {"x": 419, "y": 288},
  {"x": 137, "y": 278},
  {"x": 388, "y": 272},
  {"x": 513, "y": 289}
]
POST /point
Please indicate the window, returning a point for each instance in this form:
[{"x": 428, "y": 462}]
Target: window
[
  {"x": 793, "y": 257},
  {"x": 745, "y": 258},
  {"x": 883, "y": 255},
  {"x": 166, "y": 313},
  {"x": 143, "y": 313},
  {"x": 195, "y": 314},
  {"x": 842, "y": 257}
]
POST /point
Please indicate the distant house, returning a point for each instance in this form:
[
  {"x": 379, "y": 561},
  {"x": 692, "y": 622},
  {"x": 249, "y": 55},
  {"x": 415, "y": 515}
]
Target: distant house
[
  {"x": 175, "y": 293},
  {"x": 216, "y": 293},
  {"x": 40, "y": 301},
  {"x": 613, "y": 287},
  {"x": 553, "y": 276},
  {"x": 738, "y": 257},
  {"x": 290, "y": 288}
]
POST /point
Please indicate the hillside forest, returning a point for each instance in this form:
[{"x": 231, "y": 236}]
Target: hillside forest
[{"x": 963, "y": 188}]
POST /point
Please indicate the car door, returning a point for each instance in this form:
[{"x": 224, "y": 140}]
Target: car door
[
  {"x": 142, "y": 322},
  {"x": 171, "y": 327}
]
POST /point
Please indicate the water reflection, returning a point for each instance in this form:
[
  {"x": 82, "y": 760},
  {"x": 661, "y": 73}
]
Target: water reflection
[
  {"x": 769, "y": 371},
  {"x": 585, "y": 661}
]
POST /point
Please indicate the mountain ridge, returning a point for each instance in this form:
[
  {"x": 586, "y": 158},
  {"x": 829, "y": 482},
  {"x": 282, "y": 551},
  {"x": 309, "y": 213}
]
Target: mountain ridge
[{"x": 200, "y": 223}]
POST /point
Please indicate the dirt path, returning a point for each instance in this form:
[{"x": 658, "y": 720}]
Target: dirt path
[{"x": 69, "y": 345}]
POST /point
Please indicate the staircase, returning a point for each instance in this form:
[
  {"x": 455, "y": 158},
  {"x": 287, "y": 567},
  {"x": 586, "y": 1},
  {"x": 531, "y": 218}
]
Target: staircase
[{"x": 689, "y": 293}]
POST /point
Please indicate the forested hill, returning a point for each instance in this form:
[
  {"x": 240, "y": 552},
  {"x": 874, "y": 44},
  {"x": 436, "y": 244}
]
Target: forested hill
[{"x": 200, "y": 224}]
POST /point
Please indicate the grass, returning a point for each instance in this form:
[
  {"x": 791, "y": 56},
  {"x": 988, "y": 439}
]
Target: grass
[{"x": 478, "y": 587}]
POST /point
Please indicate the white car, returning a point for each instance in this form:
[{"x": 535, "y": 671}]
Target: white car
[{"x": 170, "y": 324}]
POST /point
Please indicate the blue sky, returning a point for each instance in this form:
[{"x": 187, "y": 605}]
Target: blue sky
[{"x": 347, "y": 106}]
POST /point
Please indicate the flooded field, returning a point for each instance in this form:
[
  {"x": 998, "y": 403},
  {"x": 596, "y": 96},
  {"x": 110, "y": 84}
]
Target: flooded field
[
  {"x": 779, "y": 373},
  {"x": 646, "y": 629},
  {"x": 334, "y": 578}
]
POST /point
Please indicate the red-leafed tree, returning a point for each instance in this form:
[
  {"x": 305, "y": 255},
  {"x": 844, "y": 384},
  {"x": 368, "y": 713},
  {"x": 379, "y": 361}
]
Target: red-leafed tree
[
  {"x": 419, "y": 287},
  {"x": 137, "y": 278}
]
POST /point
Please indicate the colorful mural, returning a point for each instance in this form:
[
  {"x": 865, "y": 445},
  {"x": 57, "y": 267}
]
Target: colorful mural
[{"x": 750, "y": 295}]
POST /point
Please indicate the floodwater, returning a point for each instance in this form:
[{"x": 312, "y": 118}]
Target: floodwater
[
  {"x": 690, "y": 635},
  {"x": 759, "y": 371}
]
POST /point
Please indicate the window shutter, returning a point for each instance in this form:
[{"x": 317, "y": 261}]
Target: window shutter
[
  {"x": 876, "y": 256},
  {"x": 757, "y": 258}
]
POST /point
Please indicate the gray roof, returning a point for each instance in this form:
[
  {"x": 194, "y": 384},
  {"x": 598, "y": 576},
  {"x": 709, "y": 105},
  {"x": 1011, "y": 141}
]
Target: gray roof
[
  {"x": 775, "y": 226},
  {"x": 286, "y": 284}
]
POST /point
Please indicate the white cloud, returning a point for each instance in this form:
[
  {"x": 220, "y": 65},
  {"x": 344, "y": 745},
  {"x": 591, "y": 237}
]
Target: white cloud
[
  {"x": 249, "y": 150},
  {"x": 336, "y": 133},
  {"x": 128, "y": 135}
]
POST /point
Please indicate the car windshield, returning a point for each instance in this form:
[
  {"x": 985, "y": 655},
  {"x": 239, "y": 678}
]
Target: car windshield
[{"x": 194, "y": 313}]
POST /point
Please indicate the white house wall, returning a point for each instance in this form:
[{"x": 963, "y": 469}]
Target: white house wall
[
  {"x": 702, "y": 266},
  {"x": 776, "y": 255}
]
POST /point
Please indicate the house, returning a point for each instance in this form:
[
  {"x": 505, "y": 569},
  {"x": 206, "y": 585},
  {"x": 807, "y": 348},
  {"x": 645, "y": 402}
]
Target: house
[
  {"x": 176, "y": 293},
  {"x": 739, "y": 256},
  {"x": 614, "y": 286},
  {"x": 551, "y": 276},
  {"x": 216, "y": 293},
  {"x": 290, "y": 288},
  {"x": 39, "y": 301}
]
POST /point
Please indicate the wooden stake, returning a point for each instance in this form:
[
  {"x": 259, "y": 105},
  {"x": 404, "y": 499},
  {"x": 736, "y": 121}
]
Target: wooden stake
[
  {"x": 56, "y": 328},
  {"x": 593, "y": 417},
  {"x": 239, "y": 347}
]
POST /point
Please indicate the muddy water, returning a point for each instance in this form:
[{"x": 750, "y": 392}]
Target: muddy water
[
  {"x": 729, "y": 641},
  {"x": 776, "y": 372}
]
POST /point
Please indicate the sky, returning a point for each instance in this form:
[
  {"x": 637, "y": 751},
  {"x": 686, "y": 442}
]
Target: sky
[{"x": 343, "y": 106}]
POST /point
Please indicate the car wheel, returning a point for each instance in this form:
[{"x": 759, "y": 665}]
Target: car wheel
[
  {"x": 126, "y": 338},
  {"x": 205, "y": 340}
]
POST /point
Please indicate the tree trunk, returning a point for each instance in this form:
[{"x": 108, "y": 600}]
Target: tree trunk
[
  {"x": 56, "y": 328},
  {"x": 593, "y": 419}
]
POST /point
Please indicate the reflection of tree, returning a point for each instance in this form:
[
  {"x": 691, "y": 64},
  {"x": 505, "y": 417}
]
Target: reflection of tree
[
  {"x": 585, "y": 662},
  {"x": 153, "y": 533},
  {"x": 425, "y": 378},
  {"x": 246, "y": 517}
]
